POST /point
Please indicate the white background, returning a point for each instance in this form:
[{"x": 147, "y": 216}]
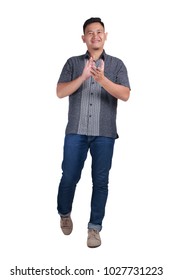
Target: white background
[{"x": 37, "y": 37}]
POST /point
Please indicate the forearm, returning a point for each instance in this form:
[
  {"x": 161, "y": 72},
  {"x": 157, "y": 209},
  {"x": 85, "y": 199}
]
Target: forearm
[
  {"x": 118, "y": 91},
  {"x": 66, "y": 89}
]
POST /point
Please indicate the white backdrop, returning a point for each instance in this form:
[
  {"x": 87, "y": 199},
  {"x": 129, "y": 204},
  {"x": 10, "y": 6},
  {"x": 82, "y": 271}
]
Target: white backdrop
[{"x": 37, "y": 37}]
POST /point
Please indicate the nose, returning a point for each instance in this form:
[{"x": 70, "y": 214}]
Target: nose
[{"x": 94, "y": 34}]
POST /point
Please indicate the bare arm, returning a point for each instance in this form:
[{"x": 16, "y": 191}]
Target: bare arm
[
  {"x": 116, "y": 90},
  {"x": 66, "y": 89}
]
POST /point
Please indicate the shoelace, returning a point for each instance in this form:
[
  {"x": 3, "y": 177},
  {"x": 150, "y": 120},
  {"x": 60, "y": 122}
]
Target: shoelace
[
  {"x": 65, "y": 222},
  {"x": 94, "y": 232}
]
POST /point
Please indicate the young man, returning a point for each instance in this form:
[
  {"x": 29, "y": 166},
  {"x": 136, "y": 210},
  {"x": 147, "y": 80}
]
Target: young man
[{"x": 94, "y": 82}]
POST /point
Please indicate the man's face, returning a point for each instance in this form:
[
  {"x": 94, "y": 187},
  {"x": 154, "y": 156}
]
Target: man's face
[{"x": 94, "y": 36}]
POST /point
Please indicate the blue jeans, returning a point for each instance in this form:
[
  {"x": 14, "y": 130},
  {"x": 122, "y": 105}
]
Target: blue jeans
[{"x": 75, "y": 153}]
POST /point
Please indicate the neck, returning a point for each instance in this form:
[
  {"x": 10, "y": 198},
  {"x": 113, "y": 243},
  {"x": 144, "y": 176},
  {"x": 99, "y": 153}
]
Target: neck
[{"x": 95, "y": 54}]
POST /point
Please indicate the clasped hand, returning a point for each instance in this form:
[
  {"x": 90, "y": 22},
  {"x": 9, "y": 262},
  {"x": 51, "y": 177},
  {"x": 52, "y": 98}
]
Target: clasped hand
[{"x": 91, "y": 70}]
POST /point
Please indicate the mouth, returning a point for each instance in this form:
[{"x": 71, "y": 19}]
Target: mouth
[{"x": 96, "y": 41}]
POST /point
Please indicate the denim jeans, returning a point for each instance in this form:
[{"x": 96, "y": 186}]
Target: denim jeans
[{"x": 75, "y": 153}]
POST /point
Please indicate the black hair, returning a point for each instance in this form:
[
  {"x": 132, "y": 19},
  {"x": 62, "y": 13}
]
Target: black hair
[{"x": 91, "y": 20}]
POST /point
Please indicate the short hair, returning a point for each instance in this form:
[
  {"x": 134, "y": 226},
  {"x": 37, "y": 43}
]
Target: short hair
[{"x": 91, "y": 20}]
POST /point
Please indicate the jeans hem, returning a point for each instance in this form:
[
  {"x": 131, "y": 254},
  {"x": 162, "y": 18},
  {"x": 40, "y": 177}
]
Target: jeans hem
[
  {"x": 64, "y": 215},
  {"x": 93, "y": 226}
]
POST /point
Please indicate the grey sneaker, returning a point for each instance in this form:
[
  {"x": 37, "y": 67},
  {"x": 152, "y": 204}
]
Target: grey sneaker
[
  {"x": 66, "y": 225},
  {"x": 93, "y": 240}
]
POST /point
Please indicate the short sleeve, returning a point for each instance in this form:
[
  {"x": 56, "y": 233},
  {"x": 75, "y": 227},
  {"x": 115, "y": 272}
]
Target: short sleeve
[
  {"x": 66, "y": 73},
  {"x": 122, "y": 76}
]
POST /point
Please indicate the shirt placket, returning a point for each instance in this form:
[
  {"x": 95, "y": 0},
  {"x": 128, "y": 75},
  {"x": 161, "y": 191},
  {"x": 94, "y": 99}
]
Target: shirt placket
[{"x": 90, "y": 109}]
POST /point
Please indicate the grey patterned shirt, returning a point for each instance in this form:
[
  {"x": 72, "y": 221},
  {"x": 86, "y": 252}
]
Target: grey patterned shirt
[{"x": 92, "y": 110}]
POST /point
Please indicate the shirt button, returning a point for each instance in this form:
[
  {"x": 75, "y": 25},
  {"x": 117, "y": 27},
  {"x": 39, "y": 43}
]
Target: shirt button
[
  {"x": 90, "y": 116},
  {"x": 91, "y": 93},
  {"x": 91, "y": 104}
]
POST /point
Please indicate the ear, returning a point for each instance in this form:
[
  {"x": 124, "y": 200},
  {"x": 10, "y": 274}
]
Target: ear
[
  {"x": 83, "y": 38},
  {"x": 106, "y": 35}
]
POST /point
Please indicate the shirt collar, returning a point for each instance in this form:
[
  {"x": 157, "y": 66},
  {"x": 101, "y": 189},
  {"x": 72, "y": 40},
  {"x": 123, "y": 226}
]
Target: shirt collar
[{"x": 102, "y": 56}]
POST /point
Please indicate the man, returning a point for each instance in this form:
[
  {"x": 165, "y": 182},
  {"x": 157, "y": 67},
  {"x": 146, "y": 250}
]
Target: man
[{"x": 94, "y": 82}]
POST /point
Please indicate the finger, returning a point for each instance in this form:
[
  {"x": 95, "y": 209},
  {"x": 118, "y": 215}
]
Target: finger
[
  {"x": 102, "y": 65},
  {"x": 91, "y": 61},
  {"x": 88, "y": 62}
]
